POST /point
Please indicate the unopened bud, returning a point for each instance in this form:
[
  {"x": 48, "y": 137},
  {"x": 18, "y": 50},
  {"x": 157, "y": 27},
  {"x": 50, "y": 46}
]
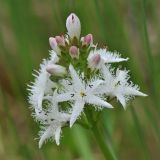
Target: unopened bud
[
  {"x": 53, "y": 44},
  {"x": 56, "y": 69},
  {"x": 87, "y": 40},
  {"x": 60, "y": 40},
  {"x": 74, "y": 52},
  {"x": 94, "y": 61},
  {"x": 73, "y": 26}
]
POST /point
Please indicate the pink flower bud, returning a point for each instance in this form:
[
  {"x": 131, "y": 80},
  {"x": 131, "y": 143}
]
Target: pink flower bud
[
  {"x": 53, "y": 44},
  {"x": 94, "y": 61},
  {"x": 88, "y": 39},
  {"x": 56, "y": 69},
  {"x": 60, "y": 40},
  {"x": 73, "y": 26},
  {"x": 74, "y": 52}
]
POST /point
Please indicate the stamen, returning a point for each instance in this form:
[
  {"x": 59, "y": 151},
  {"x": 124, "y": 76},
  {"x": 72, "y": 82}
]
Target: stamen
[
  {"x": 82, "y": 94},
  {"x": 72, "y": 95},
  {"x": 118, "y": 83},
  {"x": 90, "y": 85},
  {"x": 70, "y": 83}
]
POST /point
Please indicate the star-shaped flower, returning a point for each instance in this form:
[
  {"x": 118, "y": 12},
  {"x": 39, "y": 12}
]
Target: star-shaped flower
[
  {"x": 52, "y": 120},
  {"x": 118, "y": 85},
  {"x": 42, "y": 84},
  {"x": 80, "y": 93},
  {"x": 98, "y": 57}
]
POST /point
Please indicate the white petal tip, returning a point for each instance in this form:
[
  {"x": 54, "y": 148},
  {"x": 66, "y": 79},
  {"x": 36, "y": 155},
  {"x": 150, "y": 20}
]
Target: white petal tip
[
  {"x": 71, "y": 124},
  {"x": 110, "y": 106},
  {"x": 40, "y": 146},
  {"x": 124, "y": 107},
  {"x": 126, "y": 59},
  {"x": 57, "y": 143},
  {"x": 144, "y": 95}
]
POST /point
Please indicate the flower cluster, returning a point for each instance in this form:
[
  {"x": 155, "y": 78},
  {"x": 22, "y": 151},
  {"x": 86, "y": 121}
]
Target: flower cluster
[{"x": 76, "y": 75}]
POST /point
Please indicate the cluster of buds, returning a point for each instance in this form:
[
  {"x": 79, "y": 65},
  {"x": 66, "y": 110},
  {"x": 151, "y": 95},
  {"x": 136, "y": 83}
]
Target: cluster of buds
[
  {"x": 71, "y": 42},
  {"x": 76, "y": 75}
]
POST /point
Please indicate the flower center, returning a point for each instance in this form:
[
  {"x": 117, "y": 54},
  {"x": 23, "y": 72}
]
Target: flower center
[{"x": 82, "y": 94}]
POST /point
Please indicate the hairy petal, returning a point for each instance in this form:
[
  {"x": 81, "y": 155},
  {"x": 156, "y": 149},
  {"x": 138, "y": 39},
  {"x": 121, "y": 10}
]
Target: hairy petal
[
  {"x": 93, "y": 85},
  {"x": 75, "y": 78},
  {"x": 97, "y": 101},
  {"x": 77, "y": 109},
  {"x": 64, "y": 97},
  {"x": 133, "y": 91},
  {"x": 122, "y": 100},
  {"x": 47, "y": 134}
]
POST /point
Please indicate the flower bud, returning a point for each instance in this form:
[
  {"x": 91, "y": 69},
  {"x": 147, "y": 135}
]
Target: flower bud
[
  {"x": 94, "y": 61},
  {"x": 87, "y": 40},
  {"x": 53, "y": 44},
  {"x": 73, "y": 26},
  {"x": 60, "y": 40},
  {"x": 56, "y": 69},
  {"x": 74, "y": 52}
]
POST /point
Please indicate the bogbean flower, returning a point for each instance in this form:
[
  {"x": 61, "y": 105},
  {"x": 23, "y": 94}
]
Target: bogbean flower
[
  {"x": 102, "y": 56},
  {"x": 51, "y": 121},
  {"x": 79, "y": 92},
  {"x": 118, "y": 86},
  {"x": 77, "y": 75}
]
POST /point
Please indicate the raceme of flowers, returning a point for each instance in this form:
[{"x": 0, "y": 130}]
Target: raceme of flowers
[{"x": 76, "y": 75}]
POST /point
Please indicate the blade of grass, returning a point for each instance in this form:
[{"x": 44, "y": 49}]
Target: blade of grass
[{"x": 140, "y": 134}]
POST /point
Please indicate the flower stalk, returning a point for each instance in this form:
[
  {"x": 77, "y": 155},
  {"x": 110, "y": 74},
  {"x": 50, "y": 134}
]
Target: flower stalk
[{"x": 99, "y": 137}]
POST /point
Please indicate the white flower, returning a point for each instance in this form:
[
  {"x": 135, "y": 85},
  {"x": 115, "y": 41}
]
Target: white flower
[
  {"x": 52, "y": 121},
  {"x": 73, "y": 26},
  {"x": 42, "y": 84},
  {"x": 59, "y": 94},
  {"x": 105, "y": 57},
  {"x": 79, "y": 92},
  {"x": 118, "y": 85}
]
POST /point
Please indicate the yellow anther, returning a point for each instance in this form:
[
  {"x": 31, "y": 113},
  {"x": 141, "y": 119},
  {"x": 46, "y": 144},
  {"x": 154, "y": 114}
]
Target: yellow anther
[{"x": 82, "y": 94}]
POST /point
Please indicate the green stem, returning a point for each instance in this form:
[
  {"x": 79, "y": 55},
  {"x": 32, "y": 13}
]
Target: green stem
[{"x": 100, "y": 140}]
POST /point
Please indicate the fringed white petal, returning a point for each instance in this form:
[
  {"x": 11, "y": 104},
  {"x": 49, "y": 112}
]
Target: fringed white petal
[
  {"x": 75, "y": 78},
  {"x": 93, "y": 85},
  {"x": 64, "y": 97},
  {"x": 97, "y": 101},
  {"x": 77, "y": 109},
  {"x": 133, "y": 92},
  {"x": 111, "y": 57},
  {"x": 122, "y": 100},
  {"x": 47, "y": 134}
]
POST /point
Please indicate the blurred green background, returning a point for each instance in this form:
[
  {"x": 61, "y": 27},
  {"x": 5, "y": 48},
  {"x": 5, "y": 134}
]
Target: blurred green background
[{"x": 131, "y": 27}]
